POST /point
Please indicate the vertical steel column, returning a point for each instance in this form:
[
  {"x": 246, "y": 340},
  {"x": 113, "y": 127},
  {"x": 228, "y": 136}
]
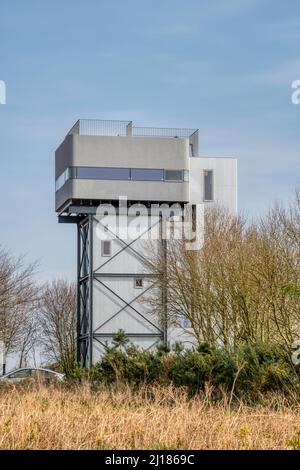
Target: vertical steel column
[
  {"x": 164, "y": 292},
  {"x": 91, "y": 280},
  {"x": 83, "y": 285},
  {"x": 78, "y": 324},
  {"x": 85, "y": 295}
]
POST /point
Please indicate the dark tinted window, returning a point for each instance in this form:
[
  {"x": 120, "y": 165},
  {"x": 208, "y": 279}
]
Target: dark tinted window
[
  {"x": 134, "y": 174},
  {"x": 106, "y": 248},
  {"x": 103, "y": 173},
  {"x": 173, "y": 175},
  {"x": 138, "y": 283},
  {"x": 73, "y": 172},
  {"x": 42, "y": 373},
  {"x": 147, "y": 174},
  {"x": 20, "y": 374},
  {"x": 208, "y": 185}
]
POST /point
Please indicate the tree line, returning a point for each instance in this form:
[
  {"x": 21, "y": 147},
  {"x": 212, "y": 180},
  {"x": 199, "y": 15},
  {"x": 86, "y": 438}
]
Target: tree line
[{"x": 35, "y": 320}]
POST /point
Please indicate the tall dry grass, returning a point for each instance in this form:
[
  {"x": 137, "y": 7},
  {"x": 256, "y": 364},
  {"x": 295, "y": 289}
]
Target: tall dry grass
[{"x": 60, "y": 417}]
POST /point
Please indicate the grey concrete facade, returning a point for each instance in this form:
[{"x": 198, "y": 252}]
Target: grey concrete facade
[{"x": 120, "y": 152}]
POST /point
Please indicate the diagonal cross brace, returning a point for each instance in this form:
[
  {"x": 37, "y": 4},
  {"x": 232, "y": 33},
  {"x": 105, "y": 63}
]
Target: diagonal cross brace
[
  {"x": 129, "y": 305},
  {"x": 126, "y": 245},
  {"x": 125, "y": 306}
]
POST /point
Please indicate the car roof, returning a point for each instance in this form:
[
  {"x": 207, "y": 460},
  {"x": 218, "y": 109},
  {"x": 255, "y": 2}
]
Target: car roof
[{"x": 33, "y": 368}]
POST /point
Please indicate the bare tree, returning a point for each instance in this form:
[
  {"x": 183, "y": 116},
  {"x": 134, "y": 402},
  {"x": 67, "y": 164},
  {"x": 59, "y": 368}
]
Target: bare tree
[
  {"x": 18, "y": 296},
  {"x": 231, "y": 289},
  {"x": 29, "y": 337},
  {"x": 57, "y": 319}
]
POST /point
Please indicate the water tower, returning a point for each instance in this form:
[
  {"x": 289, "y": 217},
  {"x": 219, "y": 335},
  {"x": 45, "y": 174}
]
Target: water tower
[{"x": 125, "y": 170}]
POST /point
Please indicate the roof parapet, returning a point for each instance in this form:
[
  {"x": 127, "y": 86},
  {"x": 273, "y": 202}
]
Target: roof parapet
[{"x": 98, "y": 127}]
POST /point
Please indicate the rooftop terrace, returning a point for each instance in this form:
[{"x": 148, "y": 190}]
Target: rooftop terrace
[
  {"x": 98, "y": 127},
  {"x": 125, "y": 128}
]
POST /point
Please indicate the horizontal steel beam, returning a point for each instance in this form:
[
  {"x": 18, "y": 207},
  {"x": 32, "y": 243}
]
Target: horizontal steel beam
[
  {"x": 82, "y": 209},
  {"x": 122, "y": 275},
  {"x": 129, "y": 335},
  {"x": 69, "y": 219}
]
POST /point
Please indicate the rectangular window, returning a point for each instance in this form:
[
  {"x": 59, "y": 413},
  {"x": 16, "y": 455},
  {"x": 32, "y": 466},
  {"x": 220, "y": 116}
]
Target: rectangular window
[
  {"x": 61, "y": 180},
  {"x": 103, "y": 173},
  {"x": 173, "y": 175},
  {"x": 69, "y": 173},
  {"x": 72, "y": 172},
  {"x": 106, "y": 247},
  {"x": 126, "y": 174},
  {"x": 138, "y": 283},
  {"x": 208, "y": 185},
  {"x": 20, "y": 374},
  {"x": 147, "y": 174}
]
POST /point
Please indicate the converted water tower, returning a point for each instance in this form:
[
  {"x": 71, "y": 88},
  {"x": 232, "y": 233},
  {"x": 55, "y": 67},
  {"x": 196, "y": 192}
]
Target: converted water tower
[{"x": 124, "y": 169}]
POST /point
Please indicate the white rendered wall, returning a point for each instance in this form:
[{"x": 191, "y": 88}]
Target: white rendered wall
[
  {"x": 225, "y": 194},
  {"x": 224, "y": 180},
  {"x": 115, "y": 290}
]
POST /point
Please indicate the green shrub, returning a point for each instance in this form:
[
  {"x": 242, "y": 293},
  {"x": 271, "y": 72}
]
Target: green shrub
[
  {"x": 266, "y": 367},
  {"x": 247, "y": 369},
  {"x": 224, "y": 369},
  {"x": 191, "y": 369}
]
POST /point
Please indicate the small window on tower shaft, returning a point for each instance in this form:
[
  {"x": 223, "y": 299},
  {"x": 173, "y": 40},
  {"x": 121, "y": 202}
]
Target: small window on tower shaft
[
  {"x": 138, "y": 283},
  {"x": 106, "y": 248},
  {"x": 208, "y": 185}
]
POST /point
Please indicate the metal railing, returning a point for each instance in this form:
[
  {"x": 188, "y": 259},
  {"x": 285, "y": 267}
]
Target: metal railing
[
  {"x": 101, "y": 127},
  {"x": 162, "y": 132},
  {"x": 125, "y": 128}
]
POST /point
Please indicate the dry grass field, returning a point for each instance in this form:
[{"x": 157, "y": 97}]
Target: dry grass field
[{"x": 58, "y": 417}]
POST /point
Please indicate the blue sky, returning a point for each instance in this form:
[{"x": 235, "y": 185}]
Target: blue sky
[{"x": 224, "y": 67}]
